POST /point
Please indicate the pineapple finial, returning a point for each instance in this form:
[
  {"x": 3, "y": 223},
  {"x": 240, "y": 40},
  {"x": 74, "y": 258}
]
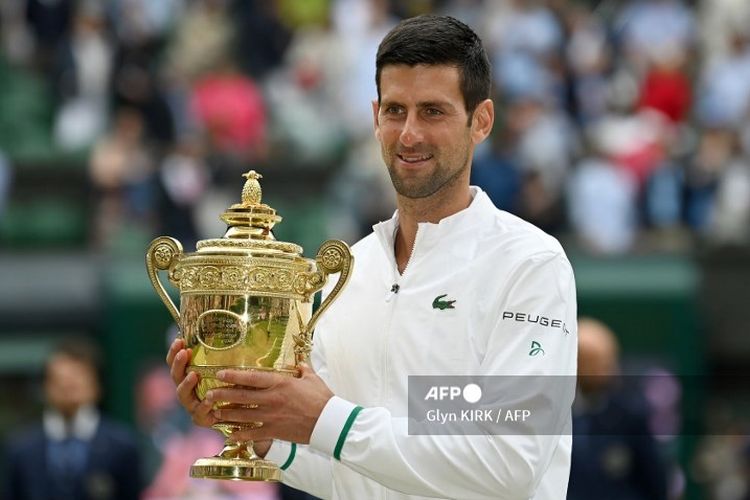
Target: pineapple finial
[{"x": 251, "y": 192}]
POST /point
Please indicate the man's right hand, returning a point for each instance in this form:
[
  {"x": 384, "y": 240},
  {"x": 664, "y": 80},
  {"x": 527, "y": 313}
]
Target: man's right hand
[{"x": 178, "y": 358}]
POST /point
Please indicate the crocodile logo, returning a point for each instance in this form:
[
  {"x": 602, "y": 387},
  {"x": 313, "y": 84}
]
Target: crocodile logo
[{"x": 438, "y": 303}]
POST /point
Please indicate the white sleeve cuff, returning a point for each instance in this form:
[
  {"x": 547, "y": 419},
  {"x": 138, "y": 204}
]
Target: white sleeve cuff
[
  {"x": 280, "y": 453},
  {"x": 333, "y": 425}
]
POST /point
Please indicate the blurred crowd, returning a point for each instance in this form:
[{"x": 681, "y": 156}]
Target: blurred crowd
[{"x": 623, "y": 123}]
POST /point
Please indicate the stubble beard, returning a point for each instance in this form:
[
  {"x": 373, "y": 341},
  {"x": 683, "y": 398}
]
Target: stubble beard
[{"x": 442, "y": 176}]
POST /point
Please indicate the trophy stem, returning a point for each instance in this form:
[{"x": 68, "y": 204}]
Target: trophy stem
[
  {"x": 237, "y": 461},
  {"x": 238, "y": 450}
]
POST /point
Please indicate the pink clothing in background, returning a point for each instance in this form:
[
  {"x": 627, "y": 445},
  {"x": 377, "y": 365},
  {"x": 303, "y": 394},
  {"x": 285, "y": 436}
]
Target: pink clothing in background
[{"x": 230, "y": 108}]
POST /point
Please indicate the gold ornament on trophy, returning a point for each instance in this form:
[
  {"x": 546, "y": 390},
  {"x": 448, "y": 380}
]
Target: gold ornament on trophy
[{"x": 245, "y": 303}]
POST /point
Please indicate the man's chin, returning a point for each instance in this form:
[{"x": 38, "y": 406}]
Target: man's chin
[{"x": 414, "y": 192}]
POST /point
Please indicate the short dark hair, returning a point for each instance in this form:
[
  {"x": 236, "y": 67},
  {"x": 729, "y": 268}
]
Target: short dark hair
[
  {"x": 81, "y": 350},
  {"x": 431, "y": 39}
]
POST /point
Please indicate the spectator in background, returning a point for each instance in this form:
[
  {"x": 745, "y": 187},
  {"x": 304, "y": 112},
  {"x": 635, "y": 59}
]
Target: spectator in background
[
  {"x": 121, "y": 169},
  {"x": 359, "y": 26},
  {"x": 546, "y": 149},
  {"x": 203, "y": 35},
  {"x": 49, "y": 21},
  {"x": 496, "y": 171},
  {"x": 144, "y": 23},
  {"x": 75, "y": 453},
  {"x": 16, "y": 39},
  {"x": 666, "y": 88},
  {"x": 647, "y": 28},
  {"x": 718, "y": 18},
  {"x": 730, "y": 220},
  {"x": 724, "y": 92},
  {"x": 544, "y": 143},
  {"x": 602, "y": 205},
  {"x": 137, "y": 86},
  {"x": 589, "y": 58},
  {"x": 84, "y": 66},
  {"x": 614, "y": 454},
  {"x": 716, "y": 150},
  {"x": 263, "y": 39},
  {"x": 184, "y": 179},
  {"x": 525, "y": 37},
  {"x": 229, "y": 107},
  {"x": 308, "y": 86}
]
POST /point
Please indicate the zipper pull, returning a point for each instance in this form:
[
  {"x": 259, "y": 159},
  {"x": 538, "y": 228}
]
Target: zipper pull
[{"x": 394, "y": 290}]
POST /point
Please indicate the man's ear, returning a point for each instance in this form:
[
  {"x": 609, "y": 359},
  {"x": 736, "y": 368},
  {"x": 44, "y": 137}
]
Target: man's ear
[
  {"x": 484, "y": 118},
  {"x": 376, "y": 124}
]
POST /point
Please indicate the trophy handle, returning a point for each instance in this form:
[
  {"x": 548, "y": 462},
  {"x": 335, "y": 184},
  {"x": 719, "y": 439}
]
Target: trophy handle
[
  {"x": 334, "y": 256},
  {"x": 162, "y": 254}
]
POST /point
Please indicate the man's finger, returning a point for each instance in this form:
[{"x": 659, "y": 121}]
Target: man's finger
[
  {"x": 177, "y": 345},
  {"x": 186, "y": 391},
  {"x": 239, "y": 396},
  {"x": 203, "y": 414},
  {"x": 177, "y": 369},
  {"x": 244, "y": 415},
  {"x": 250, "y": 378}
]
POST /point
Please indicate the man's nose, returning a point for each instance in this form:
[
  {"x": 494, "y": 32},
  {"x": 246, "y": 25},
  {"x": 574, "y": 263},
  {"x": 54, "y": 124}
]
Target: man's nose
[{"x": 411, "y": 133}]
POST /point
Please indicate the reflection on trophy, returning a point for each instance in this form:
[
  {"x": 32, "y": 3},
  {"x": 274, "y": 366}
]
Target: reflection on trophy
[{"x": 245, "y": 303}]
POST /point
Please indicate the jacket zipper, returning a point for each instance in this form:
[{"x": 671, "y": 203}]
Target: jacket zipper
[{"x": 391, "y": 295}]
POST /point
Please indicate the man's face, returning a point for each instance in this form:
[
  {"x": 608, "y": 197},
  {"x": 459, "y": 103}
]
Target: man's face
[
  {"x": 422, "y": 125},
  {"x": 70, "y": 384}
]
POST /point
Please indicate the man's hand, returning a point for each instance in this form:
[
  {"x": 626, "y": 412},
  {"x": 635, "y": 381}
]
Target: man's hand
[
  {"x": 288, "y": 407},
  {"x": 178, "y": 358}
]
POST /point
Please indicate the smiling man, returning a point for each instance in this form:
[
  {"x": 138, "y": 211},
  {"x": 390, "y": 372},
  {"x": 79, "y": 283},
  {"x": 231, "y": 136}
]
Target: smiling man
[{"x": 430, "y": 295}]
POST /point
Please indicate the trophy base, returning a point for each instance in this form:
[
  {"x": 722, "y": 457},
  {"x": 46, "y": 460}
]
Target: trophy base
[{"x": 235, "y": 469}]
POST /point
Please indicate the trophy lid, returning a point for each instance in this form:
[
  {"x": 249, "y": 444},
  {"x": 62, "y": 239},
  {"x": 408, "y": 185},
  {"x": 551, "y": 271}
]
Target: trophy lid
[{"x": 249, "y": 225}]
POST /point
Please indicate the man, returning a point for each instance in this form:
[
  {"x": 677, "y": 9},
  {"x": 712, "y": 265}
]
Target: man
[
  {"x": 448, "y": 286},
  {"x": 76, "y": 454},
  {"x": 615, "y": 455}
]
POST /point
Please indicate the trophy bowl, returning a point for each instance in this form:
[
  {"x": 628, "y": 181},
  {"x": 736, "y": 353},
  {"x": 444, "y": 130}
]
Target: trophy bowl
[{"x": 245, "y": 303}]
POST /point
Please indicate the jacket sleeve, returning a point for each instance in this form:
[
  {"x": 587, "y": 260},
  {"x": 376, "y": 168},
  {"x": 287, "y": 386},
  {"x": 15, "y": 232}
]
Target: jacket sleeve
[
  {"x": 376, "y": 444},
  {"x": 303, "y": 468}
]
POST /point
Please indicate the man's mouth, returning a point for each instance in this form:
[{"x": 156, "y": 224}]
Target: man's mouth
[{"x": 414, "y": 157}]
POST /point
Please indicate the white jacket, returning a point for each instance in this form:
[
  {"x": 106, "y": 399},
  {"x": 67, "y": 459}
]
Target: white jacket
[{"x": 490, "y": 263}]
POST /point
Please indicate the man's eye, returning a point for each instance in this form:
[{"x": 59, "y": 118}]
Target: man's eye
[
  {"x": 434, "y": 112},
  {"x": 393, "y": 110}
]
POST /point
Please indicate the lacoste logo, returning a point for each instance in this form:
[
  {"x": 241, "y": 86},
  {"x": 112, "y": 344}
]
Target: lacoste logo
[
  {"x": 438, "y": 303},
  {"x": 536, "y": 348}
]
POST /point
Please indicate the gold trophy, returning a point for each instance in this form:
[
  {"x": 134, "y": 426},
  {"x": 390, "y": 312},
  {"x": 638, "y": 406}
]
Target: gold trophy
[{"x": 245, "y": 303}]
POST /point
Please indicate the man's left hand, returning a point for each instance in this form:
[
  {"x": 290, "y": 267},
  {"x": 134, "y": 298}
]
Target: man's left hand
[{"x": 288, "y": 407}]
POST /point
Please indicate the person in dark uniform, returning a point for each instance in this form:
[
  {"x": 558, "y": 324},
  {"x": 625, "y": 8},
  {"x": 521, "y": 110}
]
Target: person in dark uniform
[
  {"x": 75, "y": 452},
  {"x": 615, "y": 456}
]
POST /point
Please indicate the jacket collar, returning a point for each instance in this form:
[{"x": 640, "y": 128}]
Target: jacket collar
[
  {"x": 479, "y": 212},
  {"x": 83, "y": 426}
]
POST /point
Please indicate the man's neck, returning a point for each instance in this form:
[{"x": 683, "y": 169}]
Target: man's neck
[{"x": 432, "y": 209}]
